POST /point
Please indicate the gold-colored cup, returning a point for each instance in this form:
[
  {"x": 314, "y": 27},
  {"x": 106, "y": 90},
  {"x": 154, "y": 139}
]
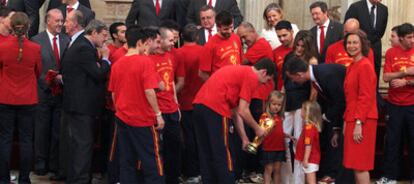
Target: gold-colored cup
[{"x": 267, "y": 124}]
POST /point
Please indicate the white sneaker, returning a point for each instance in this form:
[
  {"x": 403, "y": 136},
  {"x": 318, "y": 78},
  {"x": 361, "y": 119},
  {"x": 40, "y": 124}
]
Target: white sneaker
[{"x": 385, "y": 180}]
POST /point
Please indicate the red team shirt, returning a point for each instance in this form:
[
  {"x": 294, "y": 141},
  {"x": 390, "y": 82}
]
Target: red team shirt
[
  {"x": 165, "y": 65},
  {"x": 336, "y": 54},
  {"x": 192, "y": 81},
  {"x": 309, "y": 136},
  {"x": 279, "y": 55},
  {"x": 118, "y": 54},
  {"x": 112, "y": 49},
  {"x": 396, "y": 60},
  {"x": 275, "y": 140},
  {"x": 219, "y": 52},
  {"x": 260, "y": 49},
  {"x": 18, "y": 79},
  {"x": 130, "y": 77},
  {"x": 223, "y": 90}
]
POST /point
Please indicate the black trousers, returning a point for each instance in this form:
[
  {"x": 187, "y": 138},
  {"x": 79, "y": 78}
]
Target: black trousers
[
  {"x": 171, "y": 147},
  {"x": 80, "y": 127},
  {"x": 63, "y": 146},
  {"x": 47, "y": 127},
  {"x": 377, "y": 49},
  {"x": 216, "y": 157},
  {"x": 401, "y": 122},
  {"x": 21, "y": 116},
  {"x": 191, "y": 164},
  {"x": 139, "y": 145},
  {"x": 109, "y": 146}
]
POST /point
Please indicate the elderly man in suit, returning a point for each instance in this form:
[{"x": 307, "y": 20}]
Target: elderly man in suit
[
  {"x": 325, "y": 32},
  {"x": 53, "y": 43},
  {"x": 218, "y": 5},
  {"x": 84, "y": 76},
  {"x": 31, "y": 8},
  {"x": 208, "y": 24},
  {"x": 150, "y": 12},
  {"x": 373, "y": 18}
]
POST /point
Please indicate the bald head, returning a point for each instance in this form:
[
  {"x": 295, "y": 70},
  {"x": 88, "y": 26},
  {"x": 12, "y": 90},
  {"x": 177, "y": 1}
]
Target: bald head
[
  {"x": 247, "y": 33},
  {"x": 351, "y": 26}
]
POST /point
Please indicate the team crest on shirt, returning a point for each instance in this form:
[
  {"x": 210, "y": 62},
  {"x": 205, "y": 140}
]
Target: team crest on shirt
[
  {"x": 166, "y": 78},
  {"x": 235, "y": 45}
]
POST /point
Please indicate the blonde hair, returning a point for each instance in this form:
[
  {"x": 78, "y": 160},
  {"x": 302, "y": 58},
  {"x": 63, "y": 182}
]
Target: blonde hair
[
  {"x": 313, "y": 114},
  {"x": 276, "y": 95},
  {"x": 272, "y": 7},
  {"x": 20, "y": 25}
]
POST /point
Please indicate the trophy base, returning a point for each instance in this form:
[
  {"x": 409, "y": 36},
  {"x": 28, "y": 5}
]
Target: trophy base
[{"x": 251, "y": 149}]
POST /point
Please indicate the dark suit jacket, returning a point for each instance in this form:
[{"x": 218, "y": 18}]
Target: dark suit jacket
[
  {"x": 57, "y": 3},
  {"x": 83, "y": 80},
  {"x": 193, "y": 11},
  {"x": 87, "y": 13},
  {"x": 31, "y": 8},
  {"x": 334, "y": 33},
  {"x": 142, "y": 12},
  {"x": 48, "y": 60},
  {"x": 359, "y": 10},
  {"x": 181, "y": 11},
  {"x": 330, "y": 78},
  {"x": 201, "y": 37}
]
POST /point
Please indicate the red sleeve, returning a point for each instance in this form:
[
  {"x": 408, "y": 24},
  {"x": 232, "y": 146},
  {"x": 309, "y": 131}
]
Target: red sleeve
[
  {"x": 308, "y": 134},
  {"x": 249, "y": 85},
  {"x": 150, "y": 77},
  {"x": 206, "y": 62},
  {"x": 388, "y": 61},
  {"x": 329, "y": 58},
  {"x": 366, "y": 90}
]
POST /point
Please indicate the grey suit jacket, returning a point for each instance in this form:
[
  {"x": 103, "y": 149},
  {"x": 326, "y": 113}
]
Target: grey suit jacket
[
  {"x": 48, "y": 59},
  {"x": 142, "y": 12},
  {"x": 193, "y": 14},
  {"x": 31, "y": 8},
  {"x": 334, "y": 33}
]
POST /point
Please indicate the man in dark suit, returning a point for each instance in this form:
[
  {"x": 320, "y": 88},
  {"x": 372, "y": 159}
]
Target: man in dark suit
[
  {"x": 218, "y": 5},
  {"x": 208, "y": 24},
  {"x": 56, "y": 3},
  {"x": 53, "y": 43},
  {"x": 373, "y": 18},
  {"x": 328, "y": 80},
  {"x": 325, "y": 32},
  {"x": 150, "y": 12},
  {"x": 84, "y": 76},
  {"x": 70, "y": 5},
  {"x": 31, "y": 8}
]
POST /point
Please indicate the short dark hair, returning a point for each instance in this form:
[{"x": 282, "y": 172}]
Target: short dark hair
[
  {"x": 320, "y": 4},
  {"x": 224, "y": 18},
  {"x": 295, "y": 65},
  {"x": 207, "y": 7},
  {"x": 405, "y": 29},
  {"x": 189, "y": 33},
  {"x": 267, "y": 64},
  {"x": 365, "y": 45},
  {"x": 4, "y": 11},
  {"x": 283, "y": 24},
  {"x": 113, "y": 28},
  {"x": 133, "y": 34},
  {"x": 170, "y": 24},
  {"x": 152, "y": 32},
  {"x": 395, "y": 28}
]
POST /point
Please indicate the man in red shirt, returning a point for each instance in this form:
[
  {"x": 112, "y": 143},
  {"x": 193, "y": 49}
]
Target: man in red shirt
[
  {"x": 226, "y": 93},
  {"x": 336, "y": 52},
  {"x": 257, "y": 48},
  {"x": 117, "y": 31},
  {"x": 166, "y": 65},
  {"x": 191, "y": 167},
  {"x": 285, "y": 34},
  {"x": 223, "y": 49},
  {"x": 137, "y": 111},
  {"x": 399, "y": 64}
]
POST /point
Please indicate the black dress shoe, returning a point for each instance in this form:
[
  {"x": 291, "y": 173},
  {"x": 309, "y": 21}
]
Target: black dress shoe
[
  {"x": 40, "y": 172},
  {"x": 57, "y": 178}
]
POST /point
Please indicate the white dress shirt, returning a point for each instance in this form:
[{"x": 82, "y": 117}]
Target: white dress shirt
[{"x": 318, "y": 33}]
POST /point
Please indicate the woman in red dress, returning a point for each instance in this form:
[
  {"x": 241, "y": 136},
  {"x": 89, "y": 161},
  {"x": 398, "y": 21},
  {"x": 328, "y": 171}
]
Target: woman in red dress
[
  {"x": 20, "y": 66},
  {"x": 361, "y": 108}
]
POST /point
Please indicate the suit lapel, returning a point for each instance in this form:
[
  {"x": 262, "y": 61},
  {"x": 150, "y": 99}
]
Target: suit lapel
[
  {"x": 365, "y": 13},
  {"x": 48, "y": 47},
  {"x": 328, "y": 33}
]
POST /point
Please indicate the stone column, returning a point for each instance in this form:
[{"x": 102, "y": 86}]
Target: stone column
[{"x": 253, "y": 12}]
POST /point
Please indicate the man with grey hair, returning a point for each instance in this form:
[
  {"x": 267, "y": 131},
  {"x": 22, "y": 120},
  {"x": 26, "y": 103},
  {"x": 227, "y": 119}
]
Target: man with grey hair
[
  {"x": 53, "y": 43},
  {"x": 84, "y": 77}
]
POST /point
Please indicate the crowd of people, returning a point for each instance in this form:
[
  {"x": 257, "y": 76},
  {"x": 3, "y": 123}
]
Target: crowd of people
[{"x": 180, "y": 92}]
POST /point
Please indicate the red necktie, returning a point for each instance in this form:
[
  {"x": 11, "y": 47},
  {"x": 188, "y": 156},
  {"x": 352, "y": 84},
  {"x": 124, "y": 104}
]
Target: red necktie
[
  {"x": 210, "y": 3},
  {"x": 69, "y": 9},
  {"x": 209, "y": 33},
  {"x": 56, "y": 52},
  {"x": 157, "y": 7},
  {"x": 321, "y": 39}
]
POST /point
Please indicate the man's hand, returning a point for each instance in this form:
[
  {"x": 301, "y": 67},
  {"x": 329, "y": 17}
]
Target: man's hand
[
  {"x": 334, "y": 139},
  {"x": 104, "y": 51},
  {"x": 160, "y": 123},
  {"x": 397, "y": 83}
]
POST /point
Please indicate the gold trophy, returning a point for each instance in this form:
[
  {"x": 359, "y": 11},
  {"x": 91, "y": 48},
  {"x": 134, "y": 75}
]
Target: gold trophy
[{"x": 266, "y": 123}]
